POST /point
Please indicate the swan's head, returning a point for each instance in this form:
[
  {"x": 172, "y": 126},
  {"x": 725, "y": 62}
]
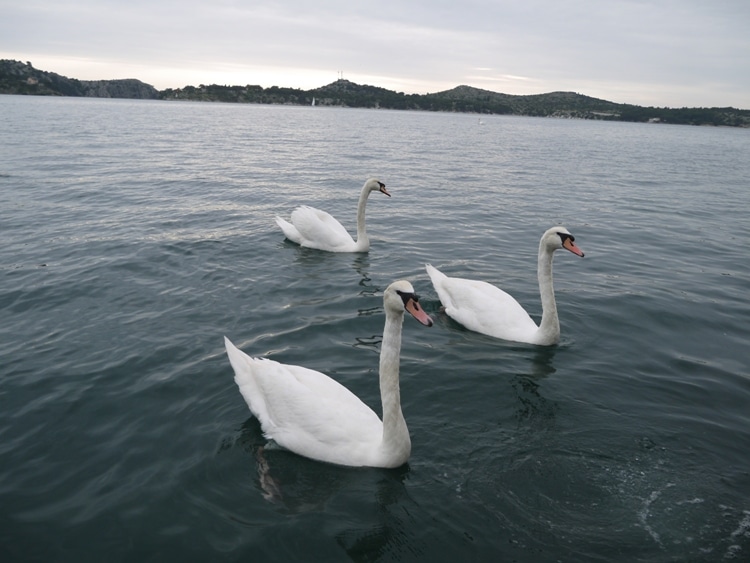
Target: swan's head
[
  {"x": 375, "y": 185},
  {"x": 400, "y": 297},
  {"x": 559, "y": 237}
]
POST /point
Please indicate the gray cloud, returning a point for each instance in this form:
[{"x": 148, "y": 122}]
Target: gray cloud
[{"x": 649, "y": 52}]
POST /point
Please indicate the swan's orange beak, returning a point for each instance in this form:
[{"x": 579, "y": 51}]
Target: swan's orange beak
[
  {"x": 382, "y": 189},
  {"x": 568, "y": 244},
  {"x": 417, "y": 312}
]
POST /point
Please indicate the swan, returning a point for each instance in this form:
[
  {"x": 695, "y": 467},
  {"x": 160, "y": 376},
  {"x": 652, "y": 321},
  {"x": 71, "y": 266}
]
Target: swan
[
  {"x": 482, "y": 307},
  {"x": 313, "y": 228},
  {"x": 310, "y": 414}
]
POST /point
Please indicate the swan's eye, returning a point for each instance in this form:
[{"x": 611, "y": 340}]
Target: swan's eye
[
  {"x": 566, "y": 236},
  {"x": 406, "y": 297}
]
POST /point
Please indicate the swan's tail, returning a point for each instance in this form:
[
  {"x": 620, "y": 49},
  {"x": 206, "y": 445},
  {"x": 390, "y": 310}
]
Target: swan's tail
[
  {"x": 435, "y": 275},
  {"x": 282, "y": 223},
  {"x": 289, "y": 230},
  {"x": 242, "y": 364},
  {"x": 245, "y": 373}
]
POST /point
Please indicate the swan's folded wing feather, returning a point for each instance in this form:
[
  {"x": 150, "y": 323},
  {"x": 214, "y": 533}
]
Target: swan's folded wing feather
[
  {"x": 483, "y": 307},
  {"x": 319, "y": 229},
  {"x": 304, "y": 410},
  {"x": 315, "y": 416}
]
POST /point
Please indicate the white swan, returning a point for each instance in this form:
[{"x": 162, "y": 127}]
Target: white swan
[
  {"x": 314, "y": 228},
  {"x": 484, "y": 308},
  {"x": 309, "y": 413}
]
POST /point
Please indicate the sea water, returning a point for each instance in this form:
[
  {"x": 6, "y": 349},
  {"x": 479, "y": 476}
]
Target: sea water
[{"x": 137, "y": 234}]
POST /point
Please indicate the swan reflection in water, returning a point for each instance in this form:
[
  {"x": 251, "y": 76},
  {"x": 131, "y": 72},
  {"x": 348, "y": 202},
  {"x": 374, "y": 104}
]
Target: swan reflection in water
[
  {"x": 318, "y": 265},
  {"x": 534, "y": 409},
  {"x": 296, "y": 485}
]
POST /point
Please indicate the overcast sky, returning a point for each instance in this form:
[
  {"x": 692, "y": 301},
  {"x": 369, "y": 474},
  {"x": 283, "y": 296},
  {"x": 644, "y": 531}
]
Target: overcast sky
[{"x": 672, "y": 53}]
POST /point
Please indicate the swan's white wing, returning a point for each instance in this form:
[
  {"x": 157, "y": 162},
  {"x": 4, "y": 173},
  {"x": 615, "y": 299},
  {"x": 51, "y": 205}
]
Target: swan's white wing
[
  {"x": 306, "y": 411},
  {"x": 482, "y": 307},
  {"x": 319, "y": 229}
]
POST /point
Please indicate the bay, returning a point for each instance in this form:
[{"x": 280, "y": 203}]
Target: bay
[{"x": 136, "y": 234}]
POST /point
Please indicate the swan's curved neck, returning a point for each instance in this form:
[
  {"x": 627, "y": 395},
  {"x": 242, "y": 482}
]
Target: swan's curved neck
[
  {"x": 362, "y": 239},
  {"x": 396, "y": 439},
  {"x": 549, "y": 328}
]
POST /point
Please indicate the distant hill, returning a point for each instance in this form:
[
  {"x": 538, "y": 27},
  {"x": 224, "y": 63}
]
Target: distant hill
[
  {"x": 22, "y": 78},
  {"x": 19, "y": 78}
]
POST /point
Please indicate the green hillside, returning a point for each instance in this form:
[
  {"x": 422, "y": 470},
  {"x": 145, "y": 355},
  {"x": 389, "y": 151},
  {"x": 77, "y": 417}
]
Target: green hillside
[{"x": 22, "y": 78}]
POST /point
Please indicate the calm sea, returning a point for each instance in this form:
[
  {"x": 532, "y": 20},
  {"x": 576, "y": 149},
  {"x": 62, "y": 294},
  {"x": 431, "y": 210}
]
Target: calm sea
[{"x": 136, "y": 234}]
